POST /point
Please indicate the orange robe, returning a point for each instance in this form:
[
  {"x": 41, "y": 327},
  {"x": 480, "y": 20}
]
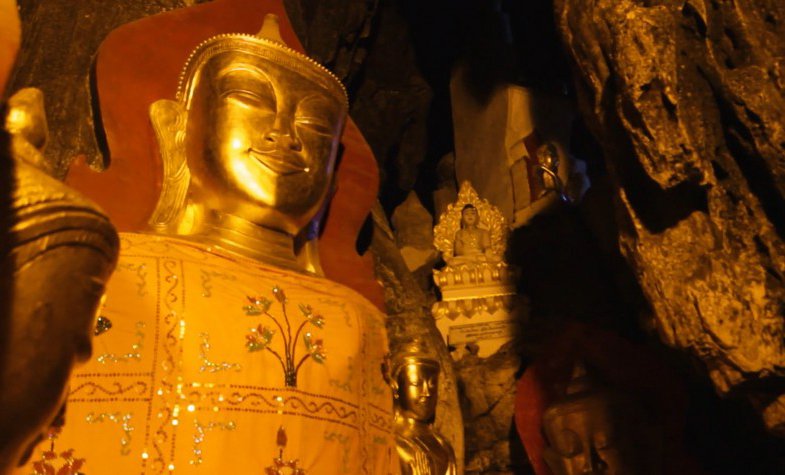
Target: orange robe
[{"x": 182, "y": 383}]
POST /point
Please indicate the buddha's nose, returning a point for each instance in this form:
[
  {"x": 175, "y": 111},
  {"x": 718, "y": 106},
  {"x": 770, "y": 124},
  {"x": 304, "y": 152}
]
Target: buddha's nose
[
  {"x": 594, "y": 464},
  {"x": 283, "y": 135}
]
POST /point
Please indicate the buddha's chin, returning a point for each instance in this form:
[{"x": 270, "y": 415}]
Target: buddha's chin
[{"x": 28, "y": 452}]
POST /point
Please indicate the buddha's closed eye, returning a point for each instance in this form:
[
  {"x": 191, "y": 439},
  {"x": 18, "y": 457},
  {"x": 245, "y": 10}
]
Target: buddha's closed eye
[{"x": 250, "y": 99}]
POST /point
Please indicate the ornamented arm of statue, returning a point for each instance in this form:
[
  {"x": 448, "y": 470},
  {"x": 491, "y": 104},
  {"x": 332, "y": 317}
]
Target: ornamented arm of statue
[{"x": 168, "y": 119}]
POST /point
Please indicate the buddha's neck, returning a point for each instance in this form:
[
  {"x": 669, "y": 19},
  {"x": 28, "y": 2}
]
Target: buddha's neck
[
  {"x": 240, "y": 236},
  {"x": 410, "y": 423}
]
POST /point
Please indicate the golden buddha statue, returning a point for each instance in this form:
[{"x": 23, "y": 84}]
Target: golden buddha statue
[
  {"x": 414, "y": 377},
  {"x": 57, "y": 251},
  {"x": 593, "y": 430},
  {"x": 228, "y": 353},
  {"x": 472, "y": 243},
  {"x": 472, "y": 238}
]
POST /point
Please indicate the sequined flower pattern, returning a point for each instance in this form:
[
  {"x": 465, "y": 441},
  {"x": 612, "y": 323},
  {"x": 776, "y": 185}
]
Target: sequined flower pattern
[
  {"x": 315, "y": 347},
  {"x": 280, "y": 465},
  {"x": 285, "y": 351},
  {"x": 257, "y": 306},
  {"x": 46, "y": 466},
  {"x": 259, "y": 338},
  {"x": 313, "y": 318}
]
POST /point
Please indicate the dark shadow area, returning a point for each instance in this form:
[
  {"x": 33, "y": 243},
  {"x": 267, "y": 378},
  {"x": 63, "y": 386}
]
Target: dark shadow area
[
  {"x": 98, "y": 122},
  {"x": 572, "y": 269},
  {"x": 7, "y": 185},
  {"x": 756, "y": 171},
  {"x": 657, "y": 209}
]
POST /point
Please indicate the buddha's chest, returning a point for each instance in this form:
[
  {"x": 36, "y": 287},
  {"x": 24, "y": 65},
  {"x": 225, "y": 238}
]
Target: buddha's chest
[
  {"x": 471, "y": 239},
  {"x": 217, "y": 322},
  {"x": 208, "y": 357}
]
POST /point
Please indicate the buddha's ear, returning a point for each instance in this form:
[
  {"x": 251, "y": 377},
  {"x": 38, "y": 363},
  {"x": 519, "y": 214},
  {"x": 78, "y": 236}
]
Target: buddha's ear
[
  {"x": 387, "y": 374},
  {"x": 169, "y": 119},
  {"x": 554, "y": 461},
  {"x": 25, "y": 122}
]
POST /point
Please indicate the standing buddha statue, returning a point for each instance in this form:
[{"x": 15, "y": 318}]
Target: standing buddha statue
[
  {"x": 226, "y": 354},
  {"x": 414, "y": 378}
]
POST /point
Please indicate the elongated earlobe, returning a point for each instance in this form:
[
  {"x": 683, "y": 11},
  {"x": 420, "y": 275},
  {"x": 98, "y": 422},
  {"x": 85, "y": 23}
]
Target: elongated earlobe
[{"x": 169, "y": 119}]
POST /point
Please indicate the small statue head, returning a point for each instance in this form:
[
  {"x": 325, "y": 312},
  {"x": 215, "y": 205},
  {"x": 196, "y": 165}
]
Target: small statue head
[
  {"x": 261, "y": 128},
  {"x": 56, "y": 255},
  {"x": 593, "y": 430},
  {"x": 548, "y": 156},
  {"x": 26, "y": 124},
  {"x": 469, "y": 216},
  {"x": 414, "y": 377}
]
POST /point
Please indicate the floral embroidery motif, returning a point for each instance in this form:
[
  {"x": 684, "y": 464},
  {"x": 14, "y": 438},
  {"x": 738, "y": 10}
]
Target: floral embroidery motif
[
  {"x": 261, "y": 337},
  {"x": 279, "y": 463},
  {"x": 70, "y": 467},
  {"x": 46, "y": 466}
]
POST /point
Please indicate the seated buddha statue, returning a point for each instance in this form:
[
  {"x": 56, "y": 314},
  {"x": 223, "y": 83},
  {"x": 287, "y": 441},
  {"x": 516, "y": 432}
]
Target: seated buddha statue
[
  {"x": 57, "y": 251},
  {"x": 414, "y": 377},
  {"x": 472, "y": 237},
  {"x": 472, "y": 243},
  {"x": 227, "y": 355}
]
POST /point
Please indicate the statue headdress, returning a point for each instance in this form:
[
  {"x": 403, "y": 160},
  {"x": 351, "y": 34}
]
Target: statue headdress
[
  {"x": 410, "y": 351},
  {"x": 44, "y": 213}
]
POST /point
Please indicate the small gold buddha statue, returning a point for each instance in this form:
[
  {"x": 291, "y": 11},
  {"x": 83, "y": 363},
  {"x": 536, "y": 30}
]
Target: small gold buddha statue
[
  {"x": 57, "y": 251},
  {"x": 222, "y": 338},
  {"x": 414, "y": 377},
  {"x": 472, "y": 238},
  {"x": 593, "y": 430},
  {"x": 472, "y": 243}
]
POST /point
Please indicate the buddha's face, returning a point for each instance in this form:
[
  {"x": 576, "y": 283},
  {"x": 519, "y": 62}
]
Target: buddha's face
[
  {"x": 584, "y": 439},
  {"x": 548, "y": 156},
  {"x": 49, "y": 331},
  {"x": 261, "y": 141},
  {"x": 416, "y": 390},
  {"x": 469, "y": 217}
]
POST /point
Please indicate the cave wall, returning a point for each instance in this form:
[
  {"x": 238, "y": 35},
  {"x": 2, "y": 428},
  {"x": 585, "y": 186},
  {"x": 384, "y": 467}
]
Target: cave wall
[{"x": 688, "y": 100}]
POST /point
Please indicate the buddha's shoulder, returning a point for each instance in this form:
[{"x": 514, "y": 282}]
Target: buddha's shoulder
[{"x": 210, "y": 261}]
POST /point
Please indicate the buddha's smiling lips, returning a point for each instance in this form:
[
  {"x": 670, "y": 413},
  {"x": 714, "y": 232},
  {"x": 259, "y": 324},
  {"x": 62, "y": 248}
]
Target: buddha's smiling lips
[{"x": 282, "y": 163}]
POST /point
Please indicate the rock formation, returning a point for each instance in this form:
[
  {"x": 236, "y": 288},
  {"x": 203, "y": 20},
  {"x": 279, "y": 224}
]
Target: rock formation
[{"x": 688, "y": 100}]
